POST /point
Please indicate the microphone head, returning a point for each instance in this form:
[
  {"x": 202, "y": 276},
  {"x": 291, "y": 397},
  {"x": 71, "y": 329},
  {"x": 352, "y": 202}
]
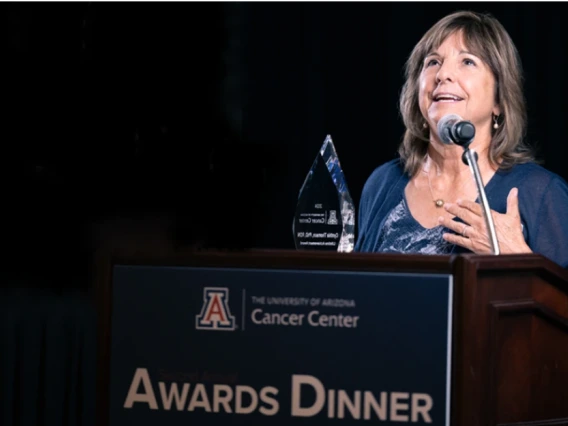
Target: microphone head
[{"x": 445, "y": 126}]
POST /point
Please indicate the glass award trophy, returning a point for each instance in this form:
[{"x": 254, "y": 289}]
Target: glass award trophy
[{"x": 325, "y": 215}]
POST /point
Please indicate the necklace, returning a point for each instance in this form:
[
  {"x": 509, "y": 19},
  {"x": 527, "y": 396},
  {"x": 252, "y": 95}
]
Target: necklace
[{"x": 439, "y": 202}]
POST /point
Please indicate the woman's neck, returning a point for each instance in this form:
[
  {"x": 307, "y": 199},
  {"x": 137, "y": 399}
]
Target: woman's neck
[{"x": 445, "y": 161}]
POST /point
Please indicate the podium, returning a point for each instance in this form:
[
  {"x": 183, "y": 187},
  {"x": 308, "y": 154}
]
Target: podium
[{"x": 507, "y": 346}]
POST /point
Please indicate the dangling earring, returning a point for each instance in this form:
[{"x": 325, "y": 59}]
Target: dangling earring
[
  {"x": 424, "y": 125},
  {"x": 495, "y": 124}
]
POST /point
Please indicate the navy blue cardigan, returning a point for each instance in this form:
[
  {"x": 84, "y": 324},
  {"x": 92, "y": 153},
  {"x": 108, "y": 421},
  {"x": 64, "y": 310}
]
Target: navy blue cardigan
[{"x": 543, "y": 204}]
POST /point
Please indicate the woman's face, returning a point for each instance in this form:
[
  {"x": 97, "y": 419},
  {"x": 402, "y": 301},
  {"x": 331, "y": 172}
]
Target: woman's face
[{"x": 454, "y": 81}]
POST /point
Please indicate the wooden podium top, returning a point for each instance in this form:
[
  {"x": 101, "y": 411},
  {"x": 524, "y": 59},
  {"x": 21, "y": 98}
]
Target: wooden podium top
[{"x": 384, "y": 262}]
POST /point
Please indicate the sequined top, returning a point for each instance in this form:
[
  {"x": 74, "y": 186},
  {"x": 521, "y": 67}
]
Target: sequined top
[{"x": 401, "y": 233}]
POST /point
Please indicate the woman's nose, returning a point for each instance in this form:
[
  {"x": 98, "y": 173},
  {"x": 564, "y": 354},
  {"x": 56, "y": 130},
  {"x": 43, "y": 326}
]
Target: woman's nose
[{"x": 446, "y": 72}]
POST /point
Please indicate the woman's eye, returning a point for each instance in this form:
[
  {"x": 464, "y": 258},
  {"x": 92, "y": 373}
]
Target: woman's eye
[
  {"x": 468, "y": 61},
  {"x": 431, "y": 62}
]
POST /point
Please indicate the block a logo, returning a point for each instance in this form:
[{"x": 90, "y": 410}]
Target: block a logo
[
  {"x": 215, "y": 313},
  {"x": 332, "y": 217}
]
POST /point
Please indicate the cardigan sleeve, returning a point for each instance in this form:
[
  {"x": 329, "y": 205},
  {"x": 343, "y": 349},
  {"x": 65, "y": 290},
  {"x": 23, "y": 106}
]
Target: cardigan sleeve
[
  {"x": 373, "y": 196},
  {"x": 370, "y": 189},
  {"x": 551, "y": 230}
]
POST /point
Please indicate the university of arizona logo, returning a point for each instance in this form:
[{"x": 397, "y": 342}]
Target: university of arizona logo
[
  {"x": 332, "y": 217},
  {"x": 215, "y": 314}
]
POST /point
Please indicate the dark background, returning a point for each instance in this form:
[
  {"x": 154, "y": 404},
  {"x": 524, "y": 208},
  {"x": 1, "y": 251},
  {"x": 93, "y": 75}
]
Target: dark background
[{"x": 204, "y": 118}]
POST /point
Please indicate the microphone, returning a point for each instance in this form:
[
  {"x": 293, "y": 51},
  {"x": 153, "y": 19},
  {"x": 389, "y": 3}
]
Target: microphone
[{"x": 454, "y": 129}]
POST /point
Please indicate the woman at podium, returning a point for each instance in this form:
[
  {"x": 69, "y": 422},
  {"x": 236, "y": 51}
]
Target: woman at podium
[{"x": 426, "y": 201}]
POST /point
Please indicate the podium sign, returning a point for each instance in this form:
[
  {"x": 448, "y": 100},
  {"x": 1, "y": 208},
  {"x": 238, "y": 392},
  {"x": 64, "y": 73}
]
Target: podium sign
[{"x": 232, "y": 346}]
